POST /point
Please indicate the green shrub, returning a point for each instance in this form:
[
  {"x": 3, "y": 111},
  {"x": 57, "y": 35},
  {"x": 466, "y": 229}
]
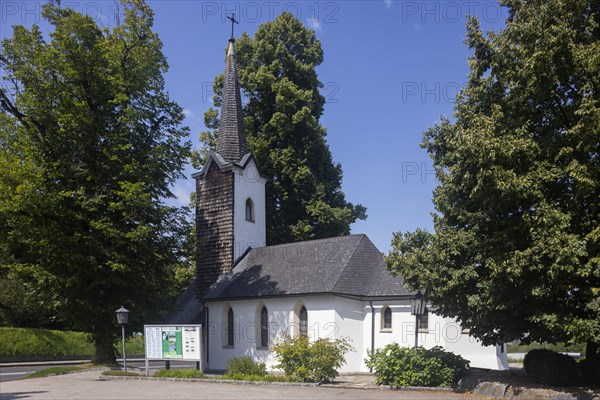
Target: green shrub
[
  {"x": 179, "y": 373},
  {"x": 245, "y": 366},
  {"x": 532, "y": 359},
  {"x": 311, "y": 362},
  {"x": 403, "y": 366},
  {"x": 550, "y": 367},
  {"x": 449, "y": 360}
]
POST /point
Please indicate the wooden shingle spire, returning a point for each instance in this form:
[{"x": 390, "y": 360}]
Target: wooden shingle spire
[{"x": 231, "y": 143}]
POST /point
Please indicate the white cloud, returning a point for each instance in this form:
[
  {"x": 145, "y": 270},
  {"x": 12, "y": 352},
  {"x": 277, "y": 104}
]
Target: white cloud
[
  {"x": 188, "y": 113},
  {"x": 388, "y": 3},
  {"x": 313, "y": 23}
]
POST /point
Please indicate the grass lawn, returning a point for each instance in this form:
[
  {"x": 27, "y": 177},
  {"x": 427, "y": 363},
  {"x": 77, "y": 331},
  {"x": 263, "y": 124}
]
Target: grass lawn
[{"x": 57, "y": 371}]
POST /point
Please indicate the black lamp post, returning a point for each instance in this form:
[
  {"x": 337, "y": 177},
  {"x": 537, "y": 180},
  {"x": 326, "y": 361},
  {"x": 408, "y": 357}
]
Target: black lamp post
[
  {"x": 122, "y": 316},
  {"x": 417, "y": 308}
]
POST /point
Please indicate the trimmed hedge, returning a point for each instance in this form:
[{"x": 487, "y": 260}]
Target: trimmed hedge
[
  {"x": 550, "y": 367},
  {"x": 532, "y": 359}
]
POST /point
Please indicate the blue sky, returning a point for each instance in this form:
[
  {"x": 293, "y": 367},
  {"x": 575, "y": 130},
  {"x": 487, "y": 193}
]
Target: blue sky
[{"x": 391, "y": 69}]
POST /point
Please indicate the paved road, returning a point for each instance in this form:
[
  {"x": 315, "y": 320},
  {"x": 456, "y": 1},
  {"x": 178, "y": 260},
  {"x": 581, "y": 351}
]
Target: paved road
[
  {"x": 89, "y": 386},
  {"x": 13, "y": 373}
]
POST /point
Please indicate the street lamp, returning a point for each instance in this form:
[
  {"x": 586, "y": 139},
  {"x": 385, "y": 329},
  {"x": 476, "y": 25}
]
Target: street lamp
[
  {"x": 122, "y": 315},
  {"x": 417, "y": 308}
]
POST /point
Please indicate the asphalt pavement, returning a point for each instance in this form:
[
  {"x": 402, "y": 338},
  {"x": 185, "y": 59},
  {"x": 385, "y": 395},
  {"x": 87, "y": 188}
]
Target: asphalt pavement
[{"x": 14, "y": 371}]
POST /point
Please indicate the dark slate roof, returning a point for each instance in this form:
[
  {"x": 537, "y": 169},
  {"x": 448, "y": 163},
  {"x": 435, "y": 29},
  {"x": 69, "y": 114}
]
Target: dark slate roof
[
  {"x": 187, "y": 309},
  {"x": 347, "y": 265},
  {"x": 226, "y": 166},
  {"x": 231, "y": 143}
]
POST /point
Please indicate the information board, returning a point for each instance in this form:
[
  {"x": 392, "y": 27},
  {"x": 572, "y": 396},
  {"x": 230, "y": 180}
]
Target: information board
[{"x": 173, "y": 342}]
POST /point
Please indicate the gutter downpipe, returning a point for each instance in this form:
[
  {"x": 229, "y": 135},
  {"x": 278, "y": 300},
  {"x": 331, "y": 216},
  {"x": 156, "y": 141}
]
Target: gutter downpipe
[
  {"x": 207, "y": 333},
  {"x": 372, "y": 330}
]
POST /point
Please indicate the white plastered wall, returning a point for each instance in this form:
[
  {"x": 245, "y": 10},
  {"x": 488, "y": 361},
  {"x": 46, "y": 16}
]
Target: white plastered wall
[
  {"x": 281, "y": 320},
  {"x": 336, "y": 317},
  {"x": 444, "y": 332},
  {"x": 248, "y": 184}
]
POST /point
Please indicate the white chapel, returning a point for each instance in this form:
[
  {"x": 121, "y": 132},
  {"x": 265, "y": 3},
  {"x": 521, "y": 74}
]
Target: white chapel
[{"x": 246, "y": 294}]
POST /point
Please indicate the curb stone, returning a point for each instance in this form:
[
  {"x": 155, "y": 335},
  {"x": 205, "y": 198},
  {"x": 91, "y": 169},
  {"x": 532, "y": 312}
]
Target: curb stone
[
  {"x": 222, "y": 381},
  {"x": 425, "y": 388}
]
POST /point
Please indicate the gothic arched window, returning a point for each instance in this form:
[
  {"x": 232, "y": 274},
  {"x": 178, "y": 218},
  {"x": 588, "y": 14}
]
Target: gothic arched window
[
  {"x": 230, "y": 331},
  {"x": 264, "y": 327},
  {"x": 386, "y": 322},
  {"x": 249, "y": 210},
  {"x": 303, "y": 319}
]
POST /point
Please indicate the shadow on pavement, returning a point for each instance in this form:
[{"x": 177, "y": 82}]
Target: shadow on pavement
[{"x": 19, "y": 395}]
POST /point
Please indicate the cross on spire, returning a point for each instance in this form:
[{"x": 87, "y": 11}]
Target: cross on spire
[{"x": 233, "y": 21}]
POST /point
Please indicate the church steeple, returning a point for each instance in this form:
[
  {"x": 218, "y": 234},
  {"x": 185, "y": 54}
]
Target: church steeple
[
  {"x": 230, "y": 191},
  {"x": 231, "y": 144}
]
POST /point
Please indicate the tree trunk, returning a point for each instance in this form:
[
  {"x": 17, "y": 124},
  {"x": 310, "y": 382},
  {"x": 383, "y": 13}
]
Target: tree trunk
[
  {"x": 591, "y": 371},
  {"x": 105, "y": 351}
]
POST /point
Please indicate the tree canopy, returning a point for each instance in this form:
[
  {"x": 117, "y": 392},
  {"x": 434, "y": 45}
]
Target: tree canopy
[
  {"x": 90, "y": 144},
  {"x": 277, "y": 74},
  {"x": 515, "y": 253}
]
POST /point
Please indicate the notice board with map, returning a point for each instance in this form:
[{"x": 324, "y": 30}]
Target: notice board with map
[{"x": 173, "y": 342}]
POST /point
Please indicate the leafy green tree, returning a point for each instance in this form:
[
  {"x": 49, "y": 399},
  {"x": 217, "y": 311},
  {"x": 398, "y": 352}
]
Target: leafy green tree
[
  {"x": 90, "y": 144},
  {"x": 277, "y": 73},
  {"x": 515, "y": 254}
]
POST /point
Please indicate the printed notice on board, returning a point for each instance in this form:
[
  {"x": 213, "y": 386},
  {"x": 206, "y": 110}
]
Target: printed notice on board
[
  {"x": 191, "y": 342},
  {"x": 152, "y": 337},
  {"x": 181, "y": 342}
]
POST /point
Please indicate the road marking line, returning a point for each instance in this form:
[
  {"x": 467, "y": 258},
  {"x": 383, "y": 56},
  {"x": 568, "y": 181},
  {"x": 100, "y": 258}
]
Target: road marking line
[{"x": 16, "y": 373}]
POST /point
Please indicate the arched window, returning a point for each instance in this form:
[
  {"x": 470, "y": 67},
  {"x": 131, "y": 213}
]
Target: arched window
[
  {"x": 264, "y": 327},
  {"x": 249, "y": 210},
  {"x": 386, "y": 321},
  {"x": 230, "y": 331},
  {"x": 303, "y": 319}
]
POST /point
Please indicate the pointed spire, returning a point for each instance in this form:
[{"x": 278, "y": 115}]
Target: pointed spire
[{"x": 231, "y": 144}]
